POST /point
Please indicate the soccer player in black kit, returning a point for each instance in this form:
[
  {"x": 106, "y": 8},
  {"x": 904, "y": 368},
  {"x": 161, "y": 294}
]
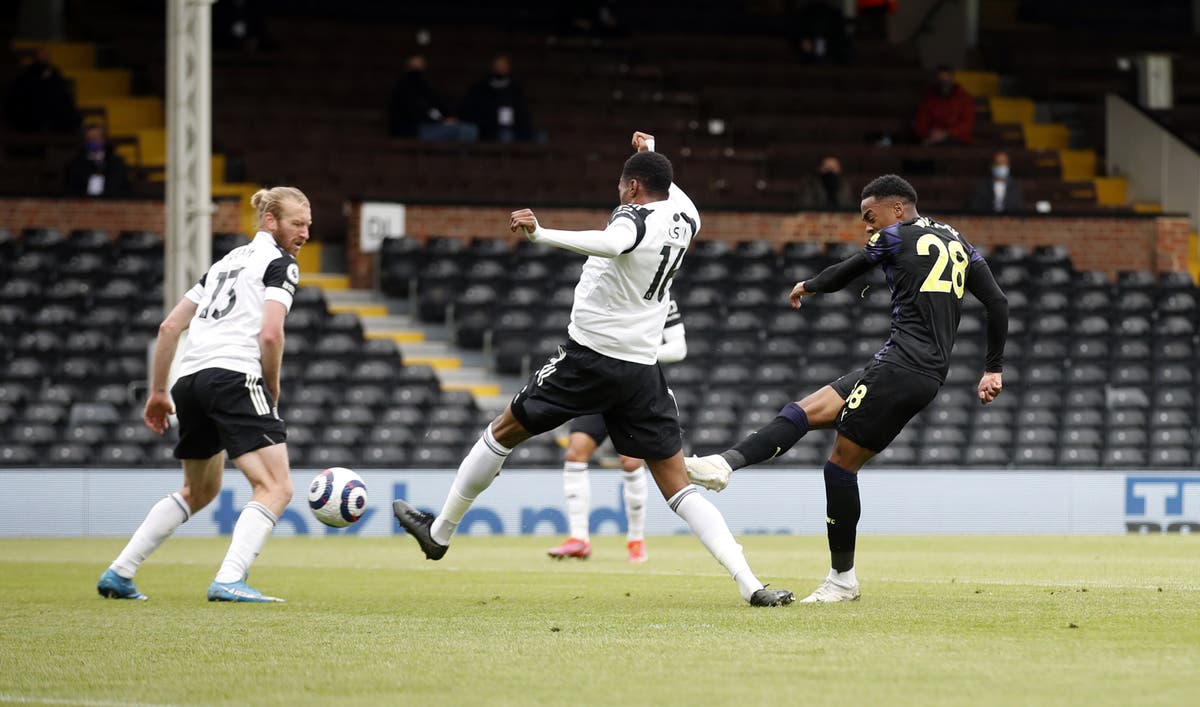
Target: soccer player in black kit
[{"x": 929, "y": 266}]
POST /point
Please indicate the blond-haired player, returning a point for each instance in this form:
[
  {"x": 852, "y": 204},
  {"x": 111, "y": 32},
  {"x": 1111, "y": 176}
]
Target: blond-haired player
[{"x": 226, "y": 396}]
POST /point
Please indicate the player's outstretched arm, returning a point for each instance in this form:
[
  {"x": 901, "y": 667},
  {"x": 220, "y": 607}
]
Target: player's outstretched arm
[
  {"x": 836, "y": 276},
  {"x": 620, "y": 235}
]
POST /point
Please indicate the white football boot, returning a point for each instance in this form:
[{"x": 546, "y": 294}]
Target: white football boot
[
  {"x": 711, "y": 472},
  {"x": 831, "y": 590}
]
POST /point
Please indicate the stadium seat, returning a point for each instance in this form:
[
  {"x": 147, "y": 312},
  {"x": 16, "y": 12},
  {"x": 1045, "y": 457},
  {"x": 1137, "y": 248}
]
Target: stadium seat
[
  {"x": 940, "y": 455},
  {"x": 1034, "y": 455},
  {"x": 1127, "y": 417},
  {"x": 343, "y": 435},
  {"x": 1172, "y": 417},
  {"x": 351, "y": 415},
  {"x": 436, "y": 458},
  {"x": 99, "y": 413},
  {"x": 999, "y": 436},
  {"x": 992, "y": 416},
  {"x": 535, "y": 456},
  {"x": 18, "y": 455},
  {"x": 120, "y": 455},
  {"x": 70, "y": 454},
  {"x": 987, "y": 455},
  {"x": 897, "y": 455},
  {"x": 384, "y": 457},
  {"x": 1124, "y": 457},
  {"x": 1082, "y": 437},
  {"x": 325, "y": 456},
  {"x": 1085, "y": 456}
]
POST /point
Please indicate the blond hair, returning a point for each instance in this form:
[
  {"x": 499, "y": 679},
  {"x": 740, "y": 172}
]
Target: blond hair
[{"x": 271, "y": 200}]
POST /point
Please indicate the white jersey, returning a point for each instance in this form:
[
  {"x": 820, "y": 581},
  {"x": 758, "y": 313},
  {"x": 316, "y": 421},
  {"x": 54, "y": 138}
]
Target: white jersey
[
  {"x": 621, "y": 302},
  {"x": 224, "y": 332}
]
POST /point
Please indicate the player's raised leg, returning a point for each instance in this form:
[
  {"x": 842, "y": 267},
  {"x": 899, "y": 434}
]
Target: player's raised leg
[
  {"x": 816, "y": 411},
  {"x": 707, "y": 523},
  {"x": 201, "y": 483},
  {"x": 475, "y": 473},
  {"x": 268, "y": 472}
]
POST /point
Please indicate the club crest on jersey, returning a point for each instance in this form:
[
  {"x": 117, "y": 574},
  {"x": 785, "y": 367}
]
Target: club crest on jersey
[{"x": 293, "y": 273}]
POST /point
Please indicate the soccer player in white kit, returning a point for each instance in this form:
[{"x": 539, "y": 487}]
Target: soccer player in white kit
[
  {"x": 586, "y": 435},
  {"x": 226, "y": 393},
  {"x": 609, "y": 366}
]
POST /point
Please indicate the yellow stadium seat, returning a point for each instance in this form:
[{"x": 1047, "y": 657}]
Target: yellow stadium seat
[
  {"x": 1011, "y": 110},
  {"x": 125, "y": 115},
  {"x": 91, "y": 84},
  {"x": 1077, "y": 165},
  {"x": 1047, "y": 136},
  {"x": 979, "y": 83},
  {"x": 1111, "y": 191},
  {"x": 64, "y": 55}
]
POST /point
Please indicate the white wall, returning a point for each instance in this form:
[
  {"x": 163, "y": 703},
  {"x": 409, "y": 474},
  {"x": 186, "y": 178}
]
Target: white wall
[
  {"x": 71, "y": 503},
  {"x": 1161, "y": 168}
]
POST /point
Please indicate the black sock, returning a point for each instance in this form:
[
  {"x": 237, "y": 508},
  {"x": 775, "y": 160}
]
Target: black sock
[
  {"x": 778, "y": 436},
  {"x": 842, "y": 510}
]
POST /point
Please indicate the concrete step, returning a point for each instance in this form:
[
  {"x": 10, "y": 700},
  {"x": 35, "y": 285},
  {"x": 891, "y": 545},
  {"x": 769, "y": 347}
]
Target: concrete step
[
  {"x": 329, "y": 282},
  {"x": 419, "y": 342}
]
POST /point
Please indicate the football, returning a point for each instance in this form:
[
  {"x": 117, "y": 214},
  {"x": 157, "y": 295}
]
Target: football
[{"x": 337, "y": 497}]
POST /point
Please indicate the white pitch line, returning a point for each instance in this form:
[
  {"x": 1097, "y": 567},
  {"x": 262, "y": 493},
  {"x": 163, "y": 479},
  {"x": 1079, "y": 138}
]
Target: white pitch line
[
  {"x": 33, "y": 700},
  {"x": 1063, "y": 584}
]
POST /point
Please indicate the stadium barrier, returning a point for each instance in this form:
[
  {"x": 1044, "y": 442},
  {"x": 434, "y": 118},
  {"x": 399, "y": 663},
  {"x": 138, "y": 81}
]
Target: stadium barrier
[{"x": 77, "y": 502}]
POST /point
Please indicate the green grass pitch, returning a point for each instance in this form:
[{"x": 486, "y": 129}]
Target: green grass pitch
[{"x": 368, "y": 621}]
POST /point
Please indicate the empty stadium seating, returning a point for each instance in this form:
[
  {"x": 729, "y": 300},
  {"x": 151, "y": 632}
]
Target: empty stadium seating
[{"x": 1097, "y": 373}]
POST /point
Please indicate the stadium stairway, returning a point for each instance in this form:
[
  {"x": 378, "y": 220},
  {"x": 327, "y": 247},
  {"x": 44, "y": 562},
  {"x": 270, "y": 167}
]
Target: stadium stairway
[{"x": 419, "y": 342}]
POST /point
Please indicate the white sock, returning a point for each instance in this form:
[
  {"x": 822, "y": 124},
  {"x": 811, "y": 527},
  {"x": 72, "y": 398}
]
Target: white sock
[
  {"x": 708, "y": 524},
  {"x": 845, "y": 579},
  {"x": 162, "y": 520},
  {"x": 577, "y": 488},
  {"x": 475, "y": 474},
  {"x": 250, "y": 534},
  {"x": 635, "y": 503}
]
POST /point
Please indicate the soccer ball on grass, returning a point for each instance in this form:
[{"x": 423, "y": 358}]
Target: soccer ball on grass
[{"x": 337, "y": 497}]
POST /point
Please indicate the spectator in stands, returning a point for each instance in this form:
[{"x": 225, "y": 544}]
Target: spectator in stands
[
  {"x": 96, "y": 170},
  {"x": 587, "y": 433},
  {"x": 40, "y": 99},
  {"x": 609, "y": 365},
  {"x": 496, "y": 105},
  {"x": 826, "y": 189},
  {"x": 417, "y": 109},
  {"x": 999, "y": 193},
  {"x": 946, "y": 115}
]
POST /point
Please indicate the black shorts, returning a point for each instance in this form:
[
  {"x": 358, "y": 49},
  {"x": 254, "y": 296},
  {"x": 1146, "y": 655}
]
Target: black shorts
[
  {"x": 638, "y": 410},
  {"x": 882, "y": 402},
  {"x": 220, "y": 409},
  {"x": 591, "y": 425},
  {"x": 842, "y": 386}
]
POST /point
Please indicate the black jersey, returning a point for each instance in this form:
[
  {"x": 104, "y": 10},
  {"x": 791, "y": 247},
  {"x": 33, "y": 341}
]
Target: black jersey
[{"x": 928, "y": 265}]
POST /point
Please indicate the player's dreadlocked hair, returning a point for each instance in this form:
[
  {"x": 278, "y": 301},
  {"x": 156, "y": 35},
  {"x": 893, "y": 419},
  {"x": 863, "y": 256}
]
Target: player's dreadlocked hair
[
  {"x": 652, "y": 170},
  {"x": 891, "y": 185}
]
